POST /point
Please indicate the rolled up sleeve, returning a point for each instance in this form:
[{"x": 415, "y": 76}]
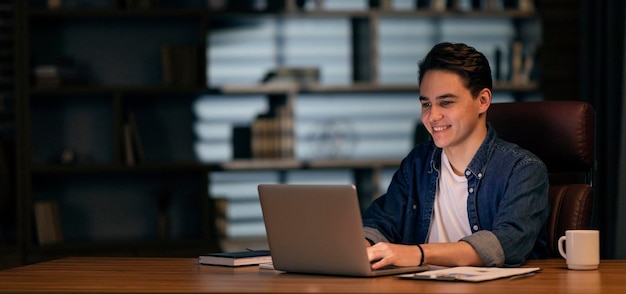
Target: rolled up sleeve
[{"x": 488, "y": 248}]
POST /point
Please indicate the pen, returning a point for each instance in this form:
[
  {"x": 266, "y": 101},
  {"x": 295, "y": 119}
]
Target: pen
[{"x": 522, "y": 276}]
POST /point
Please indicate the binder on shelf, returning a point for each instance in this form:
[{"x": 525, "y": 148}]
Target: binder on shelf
[{"x": 48, "y": 222}]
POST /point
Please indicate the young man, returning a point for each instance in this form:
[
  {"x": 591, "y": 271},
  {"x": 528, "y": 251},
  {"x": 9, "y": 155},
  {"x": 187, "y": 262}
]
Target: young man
[{"x": 465, "y": 198}]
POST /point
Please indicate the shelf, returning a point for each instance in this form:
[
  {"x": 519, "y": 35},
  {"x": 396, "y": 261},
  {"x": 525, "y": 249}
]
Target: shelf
[
  {"x": 240, "y": 164},
  {"x": 358, "y": 87},
  {"x": 418, "y": 13},
  {"x": 354, "y": 163},
  {"x": 117, "y": 13},
  {"x": 258, "y": 164},
  {"x": 259, "y": 89},
  {"x": 201, "y": 13},
  {"x": 118, "y": 168},
  {"x": 309, "y": 164},
  {"x": 95, "y": 89}
]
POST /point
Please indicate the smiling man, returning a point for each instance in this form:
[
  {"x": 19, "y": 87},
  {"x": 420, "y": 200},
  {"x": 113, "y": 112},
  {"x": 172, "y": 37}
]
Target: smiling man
[{"x": 466, "y": 197}]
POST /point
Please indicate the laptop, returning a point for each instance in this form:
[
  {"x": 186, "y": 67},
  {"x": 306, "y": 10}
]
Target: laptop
[{"x": 317, "y": 229}]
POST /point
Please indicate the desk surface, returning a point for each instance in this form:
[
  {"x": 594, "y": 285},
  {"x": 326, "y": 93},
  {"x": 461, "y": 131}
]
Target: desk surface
[{"x": 185, "y": 275}]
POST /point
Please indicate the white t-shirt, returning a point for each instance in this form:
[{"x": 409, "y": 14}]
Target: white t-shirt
[{"x": 450, "y": 222}]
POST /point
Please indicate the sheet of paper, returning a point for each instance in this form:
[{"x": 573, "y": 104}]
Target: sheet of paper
[{"x": 469, "y": 274}]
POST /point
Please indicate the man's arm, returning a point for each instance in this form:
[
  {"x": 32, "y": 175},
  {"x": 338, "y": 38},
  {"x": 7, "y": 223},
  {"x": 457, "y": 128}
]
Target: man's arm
[{"x": 445, "y": 254}]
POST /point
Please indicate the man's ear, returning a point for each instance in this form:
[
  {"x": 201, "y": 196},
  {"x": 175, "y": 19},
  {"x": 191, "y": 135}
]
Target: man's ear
[{"x": 484, "y": 100}]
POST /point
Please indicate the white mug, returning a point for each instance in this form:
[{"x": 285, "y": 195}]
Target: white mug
[{"x": 582, "y": 249}]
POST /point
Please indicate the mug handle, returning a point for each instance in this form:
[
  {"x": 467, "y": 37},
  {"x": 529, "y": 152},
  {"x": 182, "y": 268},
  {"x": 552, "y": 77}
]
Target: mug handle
[{"x": 560, "y": 245}]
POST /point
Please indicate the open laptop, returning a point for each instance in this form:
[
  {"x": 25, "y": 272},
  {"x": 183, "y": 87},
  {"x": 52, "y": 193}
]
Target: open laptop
[{"x": 317, "y": 229}]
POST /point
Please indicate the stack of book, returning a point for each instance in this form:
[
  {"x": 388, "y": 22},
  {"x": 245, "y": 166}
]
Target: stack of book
[
  {"x": 468, "y": 5},
  {"x": 273, "y": 134}
]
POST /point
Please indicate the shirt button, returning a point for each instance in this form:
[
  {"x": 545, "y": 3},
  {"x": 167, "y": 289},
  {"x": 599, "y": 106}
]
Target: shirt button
[
  {"x": 471, "y": 190},
  {"x": 475, "y": 227},
  {"x": 467, "y": 172},
  {"x": 480, "y": 175},
  {"x": 414, "y": 206}
]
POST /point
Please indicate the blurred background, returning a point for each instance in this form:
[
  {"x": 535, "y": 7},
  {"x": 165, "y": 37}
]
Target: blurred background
[{"x": 142, "y": 127}]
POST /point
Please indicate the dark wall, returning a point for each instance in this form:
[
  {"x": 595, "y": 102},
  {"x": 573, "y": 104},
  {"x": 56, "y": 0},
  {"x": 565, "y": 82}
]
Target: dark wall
[{"x": 583, "y": 59}]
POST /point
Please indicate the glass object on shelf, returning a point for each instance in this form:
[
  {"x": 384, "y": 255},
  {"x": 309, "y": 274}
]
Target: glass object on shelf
[{"x": 334, "y": 138}]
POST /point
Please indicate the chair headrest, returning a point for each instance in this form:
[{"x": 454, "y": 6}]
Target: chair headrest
[{"x": 561, "y": 133}]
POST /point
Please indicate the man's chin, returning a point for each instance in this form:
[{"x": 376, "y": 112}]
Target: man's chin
[{"x": 439, "y": 144}]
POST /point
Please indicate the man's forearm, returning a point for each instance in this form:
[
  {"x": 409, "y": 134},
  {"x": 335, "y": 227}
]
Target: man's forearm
[{"x": 451, "y": 254}]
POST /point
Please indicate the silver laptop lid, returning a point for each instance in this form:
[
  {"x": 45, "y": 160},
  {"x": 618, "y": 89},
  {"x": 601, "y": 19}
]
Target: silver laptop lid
[{"x": 316, "y": 229}]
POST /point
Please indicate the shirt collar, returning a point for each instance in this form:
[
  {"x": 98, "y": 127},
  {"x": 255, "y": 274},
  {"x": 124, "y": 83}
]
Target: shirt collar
[{"x": 478, "y": 164}]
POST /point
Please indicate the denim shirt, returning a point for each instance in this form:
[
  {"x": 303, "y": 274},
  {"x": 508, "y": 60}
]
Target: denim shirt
[{"x": 507, "y": 202}]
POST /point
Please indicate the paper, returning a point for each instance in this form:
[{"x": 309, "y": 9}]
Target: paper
[{"x": 469, "y": 274}]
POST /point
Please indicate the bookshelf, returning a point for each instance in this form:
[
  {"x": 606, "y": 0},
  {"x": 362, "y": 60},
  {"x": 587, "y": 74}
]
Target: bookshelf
[
  {"x": 8, "y": 71},
  {"x": 74, "y": 143}
]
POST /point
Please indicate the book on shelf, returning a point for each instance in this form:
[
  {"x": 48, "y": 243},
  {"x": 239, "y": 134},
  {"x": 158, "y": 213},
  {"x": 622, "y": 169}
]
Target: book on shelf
[
  {"x": 65, "y": 72},
  {"x": 272, "y": 132},
  {"x": 221, "y": 217},
  {"x": 241, "y": 141},
  {"x": 438, "y": 5},
  {"x": 181, "y": 65},
  {"x": 522, "y": 62},
  {"x": 239, "y": 258},
  {"x": 129, "y": 155},
  {"x": 48, "y": 222},
  {"x": 292, "y": 75},
  {"x": 133, "y": 148},
  {"x": 526, "y": 5}
]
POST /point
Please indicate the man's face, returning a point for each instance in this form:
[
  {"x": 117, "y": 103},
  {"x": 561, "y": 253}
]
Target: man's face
[{"x": 449, "y": 112}]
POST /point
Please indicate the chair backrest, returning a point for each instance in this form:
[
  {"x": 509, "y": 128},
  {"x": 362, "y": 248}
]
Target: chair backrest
[{"x": 562, "y": 134}]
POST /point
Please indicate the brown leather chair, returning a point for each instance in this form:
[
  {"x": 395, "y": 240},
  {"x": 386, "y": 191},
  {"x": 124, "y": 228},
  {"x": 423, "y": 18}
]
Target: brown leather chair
[{"x": 562, "y": 134}]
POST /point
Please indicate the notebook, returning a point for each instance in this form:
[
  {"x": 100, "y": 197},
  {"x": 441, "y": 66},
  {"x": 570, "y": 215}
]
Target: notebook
[{"x": 317, "y": 229}]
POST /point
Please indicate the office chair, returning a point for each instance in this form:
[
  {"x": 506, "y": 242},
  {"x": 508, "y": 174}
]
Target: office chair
[{"x": 562, "y": 134}]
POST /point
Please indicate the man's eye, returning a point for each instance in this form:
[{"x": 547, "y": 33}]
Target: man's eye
[
  {"x": 424, "y": 105},
  {"x": 444, "y": 103}
]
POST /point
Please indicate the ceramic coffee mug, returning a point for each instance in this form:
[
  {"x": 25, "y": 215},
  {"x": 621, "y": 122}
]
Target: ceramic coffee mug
[{"x": 582, "y": 249}]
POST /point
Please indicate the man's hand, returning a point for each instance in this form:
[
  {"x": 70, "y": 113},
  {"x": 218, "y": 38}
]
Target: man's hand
[{"x": 385, "y": 254}]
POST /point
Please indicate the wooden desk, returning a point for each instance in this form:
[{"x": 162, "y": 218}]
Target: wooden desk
[{"x": 184, "y": 275}]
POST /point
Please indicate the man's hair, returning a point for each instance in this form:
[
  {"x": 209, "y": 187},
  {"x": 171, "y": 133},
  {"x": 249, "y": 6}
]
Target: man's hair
[{"x": 471, "y": 65}]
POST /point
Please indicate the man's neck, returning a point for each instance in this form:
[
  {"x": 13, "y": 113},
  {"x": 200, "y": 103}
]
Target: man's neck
[{"x": 460, "y": 156}]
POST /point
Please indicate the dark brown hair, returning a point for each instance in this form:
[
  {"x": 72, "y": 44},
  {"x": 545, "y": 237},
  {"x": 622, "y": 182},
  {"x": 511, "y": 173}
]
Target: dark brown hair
[{"x": 461, "y": 59}]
